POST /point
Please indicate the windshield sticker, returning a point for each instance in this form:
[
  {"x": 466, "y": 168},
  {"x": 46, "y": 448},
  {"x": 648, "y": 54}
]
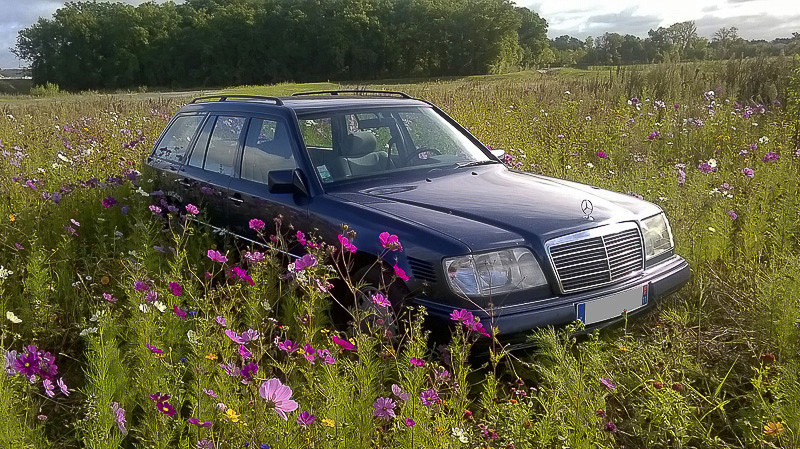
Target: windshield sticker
[{"x": 324, "y": 173}]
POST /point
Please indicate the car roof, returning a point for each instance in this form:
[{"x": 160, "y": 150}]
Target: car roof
[{"x": 301, "y": 104}]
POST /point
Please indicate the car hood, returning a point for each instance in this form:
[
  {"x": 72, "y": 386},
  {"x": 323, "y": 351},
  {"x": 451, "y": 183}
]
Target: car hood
[{"x": 491, "y": 206}]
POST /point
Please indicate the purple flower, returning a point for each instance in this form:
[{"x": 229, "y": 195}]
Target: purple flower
[
  {"x": 108, "y": 297},
  {"x": 109, "y": 201},
  {"x": 397, "y": 391},
  {"x": 151, "y": 296},
  {"x": 602, "y": 155},
  {"x": 216, "y": 256},
  {"x": 429, "y": 397},
  {"x": 62, "y": 386},
  {"x": 199, "y": 423},
  {"x": 28, "y": 364},
  {"x": 383, "y": 408},
  {"x": 141, "y": 286},
  {"x": 256, "y": 224},
  {"x": 155, "y": 350},
  {"x": 192, "y": 209},
  {"x": 654, "y": 135},
  {"x": 325, "y": 355},
  {"x": 249, "y": 335},
  {"x": 401, "y": 273},
  {"x": 210, "y": 393},
  {"x": 306, "y": 419},
  {"x": 205, "y": 444},
  {"x": 48, "y": 388},
  {"x": 705, "y": 167},
  {"x": 681, "y": 177},
  {"x": 409, "y": 422},
  {"x": 309, "y": 353},
  {"x": 307, "y": 261},
  {"x": 288, "y": 346},
  {"x": 611, "y": 427},
  {"x": 175, "y": 288},
  {"x": 769, "y": 157},
  {"x": 249, "y": 370},
  {"x": 416, "y": 361},
  {"x": 749, "y": 172},
  {"x": 607, "y": 382},
  {"x": 732, "y": 214},
  {"x": 245, "y": 353},
  {"x": 119, "y": 417},
  {"x": 221, "y": 321},
  {"x": 179, "y": 312},
  {"x": 10, "y": 362}
]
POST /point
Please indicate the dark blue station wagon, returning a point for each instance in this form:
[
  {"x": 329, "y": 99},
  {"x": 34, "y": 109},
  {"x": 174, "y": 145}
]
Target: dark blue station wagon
[{"x": 518, "y": 250}]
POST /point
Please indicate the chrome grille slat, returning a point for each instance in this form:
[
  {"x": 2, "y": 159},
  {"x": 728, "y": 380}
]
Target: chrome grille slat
[{"x": 597, "y": 260}]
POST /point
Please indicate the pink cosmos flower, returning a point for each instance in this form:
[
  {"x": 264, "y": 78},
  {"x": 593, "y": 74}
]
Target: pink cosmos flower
[
  {"x": 305, "y": 419},
  {"x": 278, "y": 396},
  {"x": 462, "y": 315},
  {"x": 119, "y": 417},
  {"x": 381, "y": 300},
  {"x": 192, "y": 209},
  {"x": 429, "y": 397},
  {"x": 397, "y": 391},
  {"x": 245, "y": 353},
  {"x": 254, "y": 256},
  {"x": 346, "y": 244},
  {"x": 179, "y": 312},
  {"x": 749, "y": 172},
  {"x": 733, "y": 215},
  {"x": 310, "y": 353},
  {"x": 175, "y": 288},
  {"x": 155, "y": 350},
  {"x": 769, "y": 157},
  {"x": 409, "y": 422},
  {"x": 216, "y": 256},
  {"x": 301, "y": 238},
  {"x": 602, "y": 154},
  {"x": 307, "y": 261},
  {"x": 400, "y": 273},
  {"x": 199, "y": 423},
  {"x": 210, "y": 393},
  {"x": 383, "y": 408},
  {"x": 155, "y": 209},
  {"x": 607, "y": 382},
  {"x": 109, "y": 297},
  {"x": 390, "y": 241},
  {"x": 288, "y": 346},
  {"x": 234, "y": 336},
  {"x": 221, "y": 321},
  {"x": 49, "y": 388},
  {"x": 343, "y": 343},
  {"x": 416, "y": 361},
  {"x": 62, "y": 386},
  {"x": 325, "y": 355},
  {"x": 256, "y": 224}
]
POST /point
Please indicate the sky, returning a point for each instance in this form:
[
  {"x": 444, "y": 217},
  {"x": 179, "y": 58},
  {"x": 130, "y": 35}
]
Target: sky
[{"x": 755, "y": 19}]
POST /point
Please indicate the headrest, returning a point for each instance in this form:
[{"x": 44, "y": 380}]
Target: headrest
[{"x": 359, "y": 143}]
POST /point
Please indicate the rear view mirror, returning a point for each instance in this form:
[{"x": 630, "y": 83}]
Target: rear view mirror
[{"x": 286, "y": 181}]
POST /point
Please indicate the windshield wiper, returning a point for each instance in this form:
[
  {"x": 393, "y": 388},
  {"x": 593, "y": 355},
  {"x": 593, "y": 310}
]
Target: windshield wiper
[{"x": 476, "y": 163}]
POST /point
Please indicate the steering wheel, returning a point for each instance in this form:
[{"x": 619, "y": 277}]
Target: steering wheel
[{"x": 414, "y": 154}]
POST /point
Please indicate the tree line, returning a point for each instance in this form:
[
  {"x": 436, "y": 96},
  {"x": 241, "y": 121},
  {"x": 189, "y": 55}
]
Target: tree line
[
  {"x": 678, "y": 42},
  {"x": 91, "y": 45}
]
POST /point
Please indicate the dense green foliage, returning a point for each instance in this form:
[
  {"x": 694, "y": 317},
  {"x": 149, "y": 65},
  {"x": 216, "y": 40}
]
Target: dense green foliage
[
  {"x": 714, "y": 366},
  {"x": 91, "y": 45}
]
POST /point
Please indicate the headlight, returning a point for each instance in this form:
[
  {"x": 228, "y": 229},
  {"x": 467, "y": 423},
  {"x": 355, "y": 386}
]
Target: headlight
[
  {"x": 493, "y": 273},
  {"x": 657, "y": 236}
]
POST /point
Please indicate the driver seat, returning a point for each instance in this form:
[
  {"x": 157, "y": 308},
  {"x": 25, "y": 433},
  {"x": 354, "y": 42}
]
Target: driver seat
[{"x": 359, "y": 154}]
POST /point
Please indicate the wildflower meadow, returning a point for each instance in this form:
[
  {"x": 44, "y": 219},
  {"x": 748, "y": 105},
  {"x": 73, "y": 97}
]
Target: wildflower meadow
[{"x": 125, "y": 323}]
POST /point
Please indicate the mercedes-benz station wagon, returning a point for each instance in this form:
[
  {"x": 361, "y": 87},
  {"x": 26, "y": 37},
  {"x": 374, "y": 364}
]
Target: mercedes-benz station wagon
[{"x": 541, "y": 250}]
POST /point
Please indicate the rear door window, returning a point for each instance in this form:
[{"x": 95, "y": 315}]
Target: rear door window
[
  {"x": 178, "y": 137},
  {"x": 223, "y": 145}
]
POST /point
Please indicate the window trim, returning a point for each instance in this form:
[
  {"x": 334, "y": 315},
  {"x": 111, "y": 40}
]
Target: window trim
[
  {"x": 278, "y": 120},
  {"x": 192, "y": 142}
]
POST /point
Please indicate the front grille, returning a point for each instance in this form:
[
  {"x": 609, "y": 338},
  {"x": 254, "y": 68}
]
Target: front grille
[
  {"x": 594, "y": 261},
  {"x": 422, "y": 270}
]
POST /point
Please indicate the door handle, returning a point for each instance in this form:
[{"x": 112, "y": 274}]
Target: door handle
[{"x": 236, "y": 198}]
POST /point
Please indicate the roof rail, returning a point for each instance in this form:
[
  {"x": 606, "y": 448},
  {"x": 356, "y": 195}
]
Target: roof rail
[
  {"x": 239, "y": 97},
  {"x": 354, "y": 91}
]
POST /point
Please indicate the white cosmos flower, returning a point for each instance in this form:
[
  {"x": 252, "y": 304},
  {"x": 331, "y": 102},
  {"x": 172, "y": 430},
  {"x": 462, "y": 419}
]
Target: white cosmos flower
[{"x": 13, "y": 318}]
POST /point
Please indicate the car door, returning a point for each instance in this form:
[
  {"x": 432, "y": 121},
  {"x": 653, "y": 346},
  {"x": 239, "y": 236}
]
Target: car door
[
  {"x": 268, "y": 145},
  {"x": 212, "y": 166},
  {"x": 171, "y": 153}
]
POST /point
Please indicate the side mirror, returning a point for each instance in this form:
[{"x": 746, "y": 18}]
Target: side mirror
[
  {"x": 286, "y": 181},
  {"x": 498, "y": 154}
]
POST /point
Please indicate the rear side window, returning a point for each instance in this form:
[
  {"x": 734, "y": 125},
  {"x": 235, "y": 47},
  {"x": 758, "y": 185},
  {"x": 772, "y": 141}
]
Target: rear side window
[
  {"x": 178, "y": 138},
  {"x": 266, "y": 148},
  {"x": 224, "y": 144}
]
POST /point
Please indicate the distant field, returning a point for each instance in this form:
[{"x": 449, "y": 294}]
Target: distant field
[{"x": 714, "y": 366}]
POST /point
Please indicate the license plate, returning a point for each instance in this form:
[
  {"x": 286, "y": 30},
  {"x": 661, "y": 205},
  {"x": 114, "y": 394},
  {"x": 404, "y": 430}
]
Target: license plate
[{"x": 611, "y": 306}]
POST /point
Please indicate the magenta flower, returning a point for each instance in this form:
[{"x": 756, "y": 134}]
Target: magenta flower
[
  {"x": 210, "y": 393},
  {"x": 249, "y": 335},
  {"x": 166, "y": 408},
  {"x": 278, "y": 396},
  {"x": 288, "y": 346},
  {"x": 383, "y": 408},
  {"x": 306, "y": 419},
  {"x": 429, "y": 397},
  {"x": 179, "y": 312},
  {"x": 199, "y": 423},
  {"x": 400, "y": 273},
  {"x": 344, "y": 344},
  {"x": 254, "y": 256},
  {"x": 325, "y": 355},
  {"x": 175, "y": 288},
  {"x": 769, "y": 157},
  {"x": 307, "y": 261},
  {"x": 141, "y": 286},
  {"x": 416, "y": 361},
  {"x": 602, "y": 155},
  {"x": 346, "y": 244},
  {"x": 397, "y": 391},
  {"x": 192, "y": 209},
  {"x": 409, "y": 422},
  {"x": 205, "y": 444},
  {"x": 109, "y": 297},
  {"x": 245, "y": 353},
  {"x": 155, "y": 209},
  {"x": 109, "y": 201},
  {"x": 49, "y": 388},
  {"x": 310, "y": 353},
  {"x": 119, "y": 417},
  {"x": 390, "y": 241},
  {"x": 256, "y": 225},
  {"x": 733, "y": 215},
  {"x": 301, "y": 238},
  {"x": 381, "y": 300},
  {"x": 216, "y": 256},
  {"x": 654, "y": 135},
  {"x": 607, "y": 382},
  {"x": 155, "y": 350},
  {"x": 249, "y": 370},
  {"x": 221, "y": 321},
  {"x": 749, "y": 172},
  {"x": 462, "y": 315},
  {"x": 611, "y": 427}
]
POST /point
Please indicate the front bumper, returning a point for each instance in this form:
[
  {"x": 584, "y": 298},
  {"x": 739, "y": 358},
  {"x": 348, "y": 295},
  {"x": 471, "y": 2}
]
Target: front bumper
[{"x": 662, "y": 279}]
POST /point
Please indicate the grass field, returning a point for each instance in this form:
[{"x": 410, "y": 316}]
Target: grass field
[{"x": 142, "y": 340}]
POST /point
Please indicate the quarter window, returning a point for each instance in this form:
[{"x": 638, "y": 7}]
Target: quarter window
[
  {"x": 178, "y": 138},
  {"x": 266, "y": 148}
]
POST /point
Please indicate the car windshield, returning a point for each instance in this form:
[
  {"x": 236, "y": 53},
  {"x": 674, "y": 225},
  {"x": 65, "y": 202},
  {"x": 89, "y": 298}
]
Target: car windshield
[{"x": 345, "y": 145}]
